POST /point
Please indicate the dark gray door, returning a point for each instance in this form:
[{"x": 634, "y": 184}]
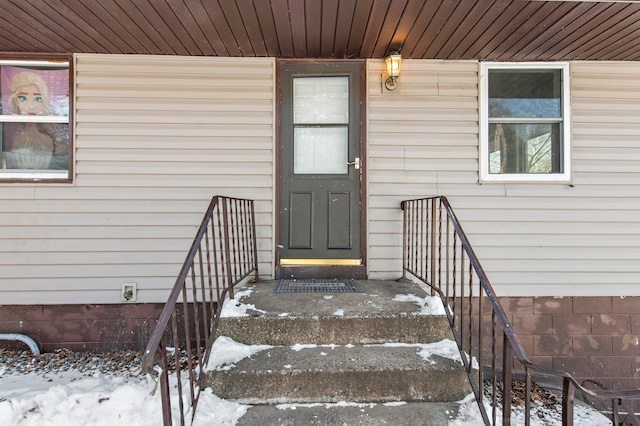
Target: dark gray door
[{"x": 321, "y": 167}]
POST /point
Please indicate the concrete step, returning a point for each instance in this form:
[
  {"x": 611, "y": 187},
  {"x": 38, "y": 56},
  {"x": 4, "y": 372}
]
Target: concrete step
[
  {"x": 340, "y": 330},
  {"x": 329, "y": 374},
  {"x": 387, "y": 349},
  {"x": 423, "y": 414}
]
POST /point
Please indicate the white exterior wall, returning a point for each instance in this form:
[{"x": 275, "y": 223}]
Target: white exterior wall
[
  {"x": 534, "y": 239},
  {"x": 156, "y": 138}
]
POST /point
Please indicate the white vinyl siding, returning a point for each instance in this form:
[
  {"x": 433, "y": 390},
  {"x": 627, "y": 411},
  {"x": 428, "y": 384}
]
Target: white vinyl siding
[
  {"x": 156, "y": 138},
  {"x": 422, "y": 135},
  {"x": 533, "y": 239}
]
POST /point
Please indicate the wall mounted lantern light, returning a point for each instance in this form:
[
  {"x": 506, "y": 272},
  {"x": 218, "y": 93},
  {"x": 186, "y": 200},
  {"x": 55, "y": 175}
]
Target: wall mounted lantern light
[{"x": 393, "y": 62}]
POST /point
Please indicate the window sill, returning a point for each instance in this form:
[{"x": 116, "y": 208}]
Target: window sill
[{"x": 546, "y": 179}]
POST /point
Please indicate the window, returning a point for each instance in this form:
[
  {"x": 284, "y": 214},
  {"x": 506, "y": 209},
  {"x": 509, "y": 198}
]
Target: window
[
  {"x": 524, "y": 122},
  {"x": 35, "y": 134}
]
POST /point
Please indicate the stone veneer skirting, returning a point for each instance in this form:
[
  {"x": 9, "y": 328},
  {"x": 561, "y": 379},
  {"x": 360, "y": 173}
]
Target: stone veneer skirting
[
  {"x": 81, "y": 327},
  {"x": 589, "y": 337}
]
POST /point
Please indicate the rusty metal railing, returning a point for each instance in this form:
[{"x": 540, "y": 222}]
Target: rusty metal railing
[
  {"x": 437, "y": 252},
  {"x": 223, "y": 253}
]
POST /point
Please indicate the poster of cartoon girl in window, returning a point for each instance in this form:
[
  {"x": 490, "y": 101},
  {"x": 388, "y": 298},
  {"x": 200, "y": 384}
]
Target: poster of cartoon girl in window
[{"x": 32, "y": 144}]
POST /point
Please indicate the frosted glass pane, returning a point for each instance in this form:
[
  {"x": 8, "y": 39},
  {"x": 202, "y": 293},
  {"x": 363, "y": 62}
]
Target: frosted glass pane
[
  {"x": 320, "y": 150},
  {"x": 321, "y": 100}
]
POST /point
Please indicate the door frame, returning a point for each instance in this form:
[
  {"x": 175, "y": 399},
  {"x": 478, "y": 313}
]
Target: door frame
[{"x": 322, "y": 271}]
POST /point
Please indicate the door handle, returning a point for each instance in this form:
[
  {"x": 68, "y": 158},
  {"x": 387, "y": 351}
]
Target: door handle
[{"x": 355, "y": 163}]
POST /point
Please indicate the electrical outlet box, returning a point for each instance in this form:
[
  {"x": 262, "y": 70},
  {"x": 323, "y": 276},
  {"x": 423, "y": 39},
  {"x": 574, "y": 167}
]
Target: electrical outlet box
[{"x": 129, "y": 292}]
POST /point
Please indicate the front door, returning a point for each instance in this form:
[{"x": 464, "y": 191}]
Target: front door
[{"x": 321, "y": 170}]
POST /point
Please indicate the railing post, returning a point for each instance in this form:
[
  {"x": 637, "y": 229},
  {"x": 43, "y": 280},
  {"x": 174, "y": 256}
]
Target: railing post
[
  {"x": 447, "y": 262},
  {"x": 164, "y": 386},
  {"x": 433, "y": 245},
  {"x": 225, "y": 231},
  {"x": 615, "y": 404},
  {"x": 527, "y": 397},
  {"x": 254, "y": 238},
  {"x": 507, "y": 379},
  {"x": 568, "y": 391},
  {"x": 494, "y": 375},
  {"x": 405, "y": 265}
]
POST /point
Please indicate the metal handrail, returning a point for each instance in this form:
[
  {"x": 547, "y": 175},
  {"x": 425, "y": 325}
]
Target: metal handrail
[
  {"x": 223, "y": 253},
  {"x": 437, "y": 252}
]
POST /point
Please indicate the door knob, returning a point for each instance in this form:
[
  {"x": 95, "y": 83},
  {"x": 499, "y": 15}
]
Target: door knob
[{"x": 355, "y": 163}]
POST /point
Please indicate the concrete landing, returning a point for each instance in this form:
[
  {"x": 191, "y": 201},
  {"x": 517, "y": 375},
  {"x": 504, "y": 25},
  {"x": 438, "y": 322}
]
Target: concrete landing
[
  {"x": 384, "y": 312},
  {"x": 377, "y": 297}
]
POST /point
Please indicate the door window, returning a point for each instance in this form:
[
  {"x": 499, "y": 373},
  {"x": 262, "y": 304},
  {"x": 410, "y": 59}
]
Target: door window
[{"x": 320, "y": 125}]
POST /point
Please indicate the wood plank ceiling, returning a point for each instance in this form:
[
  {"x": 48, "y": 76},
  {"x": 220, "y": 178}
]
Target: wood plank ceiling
[{"x": 502, "y": 30}]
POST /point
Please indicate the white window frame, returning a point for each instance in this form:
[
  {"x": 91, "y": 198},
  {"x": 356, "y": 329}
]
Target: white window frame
[
  {"x": 565, "y": 123},
  {"x": 49, "y": 176}
]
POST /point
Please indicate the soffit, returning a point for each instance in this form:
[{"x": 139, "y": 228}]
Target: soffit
[{"x": 500, "y": 30}]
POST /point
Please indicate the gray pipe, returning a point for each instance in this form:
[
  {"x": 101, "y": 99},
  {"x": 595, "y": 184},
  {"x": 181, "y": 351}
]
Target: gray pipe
[{"x": 24, "y": 339}]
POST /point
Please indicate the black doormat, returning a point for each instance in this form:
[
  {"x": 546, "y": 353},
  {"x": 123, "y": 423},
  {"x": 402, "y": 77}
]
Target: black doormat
[{"x": 316, "y": 286}]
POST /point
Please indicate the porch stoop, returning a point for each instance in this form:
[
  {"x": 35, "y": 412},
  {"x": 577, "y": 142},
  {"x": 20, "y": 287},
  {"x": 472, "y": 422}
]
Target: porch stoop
[{"x": 341, "y": 349}]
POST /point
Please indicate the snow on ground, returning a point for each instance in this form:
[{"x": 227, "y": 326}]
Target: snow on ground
[
  {"x": 71, "y": 398},
  {"x": 469, "y": 415},
  {"x": 65, "y": 395}
]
